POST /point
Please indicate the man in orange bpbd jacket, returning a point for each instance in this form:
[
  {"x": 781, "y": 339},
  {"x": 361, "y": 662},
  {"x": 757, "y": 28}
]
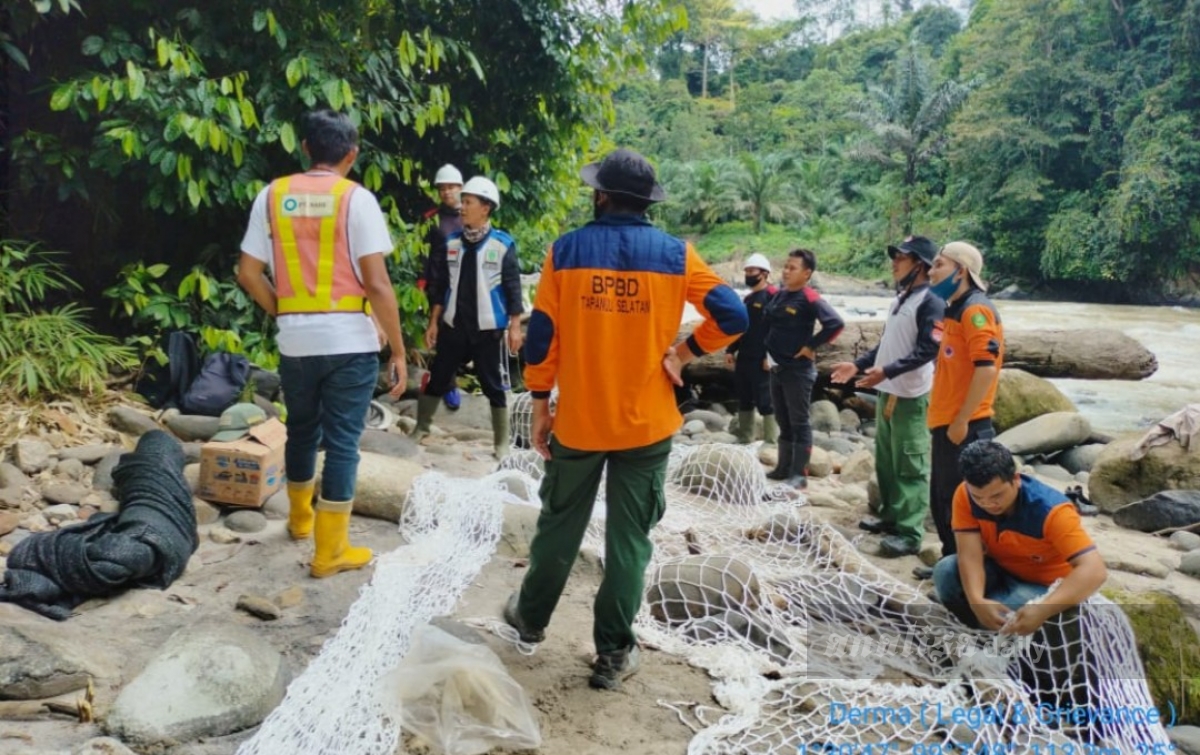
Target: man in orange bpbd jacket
[
  {"x": 608, "y": 307},
  {"x": 323, "y": 238}
]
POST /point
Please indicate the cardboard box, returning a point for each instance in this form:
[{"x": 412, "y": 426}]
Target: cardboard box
[{"x": 247, "y": 471}]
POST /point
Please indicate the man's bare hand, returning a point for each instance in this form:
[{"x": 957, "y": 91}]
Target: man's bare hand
[
  {"x": 1027, "y": 620},
  {"x": 871, "y": 378},
  {"x": 673, "y": 366},
  {"x": 540, "y": 426},
  {"x": 957, "y": 432},
  {"x": 842, "y": 372},
  {"x": 516, "y": 338},
  {"x": 991, "y": 614},
  {"x": 728, "y": 360},
  {"x": 431, "y": 334},
  {"x": 397, "y": 375}
]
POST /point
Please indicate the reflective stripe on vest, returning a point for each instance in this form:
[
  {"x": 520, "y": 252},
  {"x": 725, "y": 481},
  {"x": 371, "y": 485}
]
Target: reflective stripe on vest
[
  {"x": 489, "y": 294},
  {"x": 311, "y": 244}
]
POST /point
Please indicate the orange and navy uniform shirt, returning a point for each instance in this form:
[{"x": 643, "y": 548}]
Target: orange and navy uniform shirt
[
  {"x": 972, "y": 336},
  {"x": 608, "y": 306},
  {"x": 1036, "y": 540}
]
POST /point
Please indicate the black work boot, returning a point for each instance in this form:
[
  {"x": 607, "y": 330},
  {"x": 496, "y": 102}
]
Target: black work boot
[
  {"x": 513, "y": 619},
  {"x": 783, "y": 467},
  {"x": 613, "y": 668},
  {"x": 800, "y": 456}
]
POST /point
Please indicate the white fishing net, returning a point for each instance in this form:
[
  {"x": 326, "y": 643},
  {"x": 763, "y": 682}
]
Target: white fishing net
[
  {"x": 812, "y": 648},
  {"x": 335, "y": 706}
]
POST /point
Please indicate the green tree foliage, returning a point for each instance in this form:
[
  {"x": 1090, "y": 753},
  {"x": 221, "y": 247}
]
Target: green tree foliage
[
  {"x": 160, "y": 121},
  {"x": 764, "y": 188},
  {"x": 48, "y": 351},
  {"x": 908, "y": 123}
]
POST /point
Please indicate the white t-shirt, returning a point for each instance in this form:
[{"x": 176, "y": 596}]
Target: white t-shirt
[{"x": 334, "y": 332}]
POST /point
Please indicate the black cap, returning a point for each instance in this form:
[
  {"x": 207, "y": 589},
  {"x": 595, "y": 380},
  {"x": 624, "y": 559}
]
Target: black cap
[
  {"x": 918, "y": 246},
  {"x": 624, "y": 171}
]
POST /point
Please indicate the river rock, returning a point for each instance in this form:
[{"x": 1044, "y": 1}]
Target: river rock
[
  {"x": 206, "y": 513},
  {"x": 1047, "y": 433},
  {"x": 860, "y": 467},
  {"x": 72, "y": 469},
  {"x": 9, "y": 521},
  {"x": 721, "y": 437},
  {"x": 1170, "y": 508},
  {"x": 726, "y": 473},
  {"x": 1184, "y": 540},
  {"x": 60, "y": 512},
  {"x": 713, "y": 422},
  {"x": 38, "y": 663},
  {"x": 854, "y": 495},
  {"x": 1185, "y": 739},
  {"x": 102, "y": 746},
  {"x": 1053, "y": 472},
  {"x": 101, "y": 501},
  {"x": 824, "y": 417},
  {"x": 1021, "y": 396},
  {"x": 207, "y": 680},
  {"x": 12, "y": 477},
  {"x": 64, "y": 492},
  {"x": 246, "y": 520},
  {"x": 383, "y": 484},
  {"x": 697, "y": 586},
  {"x": 130, "y": 421},
  {"x": 89, "y": 454},
  {"x": 694, "y": 427},
  {"x": 833, "y": 445},
  {"x": 1080, "y": 458},
  {"x": 517, "y": 530},
  {"x": 32, "y": 455},
  {"x": 849, "y": 419},
  {"x": 102, "y": 476},
  {"x": 1118, "y": 480},
  {"x": 258, "y": 607},
  {"x": 192, "y": 427},
  {"x": 389, "y": 444},
  {"x": 819, "y": 463},
  {"x": 1190, "y": 564}
]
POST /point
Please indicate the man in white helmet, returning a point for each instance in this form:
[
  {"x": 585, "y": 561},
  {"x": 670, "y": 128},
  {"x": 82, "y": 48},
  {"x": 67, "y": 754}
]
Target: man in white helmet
[
  {"x": 747, "y": 355},
  {"x": 449, "y": 183},
  {"x": 475, "y": 311}
]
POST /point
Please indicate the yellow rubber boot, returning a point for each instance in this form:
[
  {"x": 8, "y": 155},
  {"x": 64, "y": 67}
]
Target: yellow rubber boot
[
  {"x": 300, "y": 513},
  {"x": 333, "y": 552}
]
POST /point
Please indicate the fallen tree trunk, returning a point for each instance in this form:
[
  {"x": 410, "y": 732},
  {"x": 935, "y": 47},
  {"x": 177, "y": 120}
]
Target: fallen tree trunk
[{"x": 1089, "y": 354}]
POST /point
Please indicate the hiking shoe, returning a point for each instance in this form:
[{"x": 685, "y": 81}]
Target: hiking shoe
[
  {"x": 613, "y": 668},
  {"x": 923, "y": 572},
  {"x": 513, "y": 619},
  {"x": 894, "y": 546},
  {"x": 877, "y": 526},
  {"x": 452, "y": 399}
]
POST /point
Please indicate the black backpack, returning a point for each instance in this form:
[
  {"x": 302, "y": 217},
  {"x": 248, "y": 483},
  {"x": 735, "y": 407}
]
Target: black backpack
[
  {"x": 217, "y": 387},
  {"x": 163, "y": 385}
]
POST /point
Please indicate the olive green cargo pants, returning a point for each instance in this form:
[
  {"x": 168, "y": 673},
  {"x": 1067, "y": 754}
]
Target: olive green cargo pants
[
  {"x": 635, "y": 502},
  {"x": 902, "y": 454}
]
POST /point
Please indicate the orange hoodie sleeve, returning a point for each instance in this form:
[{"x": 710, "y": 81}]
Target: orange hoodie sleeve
[
  {"x": 723, "y": 311},
  {"x": 541, "y": 340}
]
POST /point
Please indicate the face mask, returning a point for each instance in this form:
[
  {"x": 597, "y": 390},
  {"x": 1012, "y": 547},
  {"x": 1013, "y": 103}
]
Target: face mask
[
  {"x": 907, "y": 280},
  {"x": 946, "y": 288},
  {"x": 753, "y": 280}
]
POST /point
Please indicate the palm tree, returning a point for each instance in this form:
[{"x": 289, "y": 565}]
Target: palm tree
[
  {"x": 908, "y": 122},
  {"x": 700, "y": 193},
  {"x": 764, "y": 188}
]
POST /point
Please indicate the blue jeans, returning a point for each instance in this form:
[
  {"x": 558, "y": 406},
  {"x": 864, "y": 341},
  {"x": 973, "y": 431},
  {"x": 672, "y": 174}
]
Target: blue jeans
[
  {"x": 999, "y": 586},
  {"x": 327, "y": 398}
]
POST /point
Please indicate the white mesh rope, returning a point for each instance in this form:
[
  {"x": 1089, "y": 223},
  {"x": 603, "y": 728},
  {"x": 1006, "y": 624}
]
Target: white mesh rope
[
  {"x": 452, "y": 526},
  {"x": 812, "y": 648}
]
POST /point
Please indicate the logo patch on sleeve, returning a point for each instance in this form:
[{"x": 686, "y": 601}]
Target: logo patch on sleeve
[{"x": 978, "y": 320}]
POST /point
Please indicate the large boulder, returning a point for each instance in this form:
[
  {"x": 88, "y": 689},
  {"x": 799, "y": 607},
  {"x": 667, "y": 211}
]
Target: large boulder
[
  {"x": 1169, "y": 649},
  {"x": 1117, "y": 480},
  {"x": 1168, "y": 509},
  {"x": 697, "y": 586},
  {"x": 1021, "y": 396},
  {"x": 1046, "y": 434},
  {"x": 40, "y": 662},
  {"x": 208, "y": 680},
  {"x": 383, "y": 485},
  {"x": 824, "y": 417},
  {"x": 1080, "y": 458},
  {"x": 726, "y": 473}
]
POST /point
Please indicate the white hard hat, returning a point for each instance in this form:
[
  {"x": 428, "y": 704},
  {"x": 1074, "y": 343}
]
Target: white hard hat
[
  {"x": 482, "y": 187},
  {"x": 759, "y": 261},
  {"x": 447, "y": 174}
]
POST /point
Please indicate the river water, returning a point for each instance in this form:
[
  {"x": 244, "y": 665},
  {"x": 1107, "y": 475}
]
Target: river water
[{"x": 1112, "y": 406}]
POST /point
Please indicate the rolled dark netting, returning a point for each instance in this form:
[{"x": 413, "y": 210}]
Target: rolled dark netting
[{"x": 147, "y": 543}]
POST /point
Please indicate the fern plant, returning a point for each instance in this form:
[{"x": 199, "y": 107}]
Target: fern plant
[{"x": 48, "y": 351}]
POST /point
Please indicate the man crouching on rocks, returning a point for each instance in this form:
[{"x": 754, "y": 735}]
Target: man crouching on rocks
[{"x": 1016, "y": 536}]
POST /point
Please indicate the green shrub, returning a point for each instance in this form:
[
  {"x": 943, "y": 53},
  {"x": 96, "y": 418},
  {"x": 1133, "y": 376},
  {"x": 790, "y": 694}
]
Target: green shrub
[{"x": 48, "y": 351}]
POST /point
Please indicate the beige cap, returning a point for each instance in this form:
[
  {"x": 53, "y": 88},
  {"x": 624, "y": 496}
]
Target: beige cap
[{"x": 968, "y": 257}]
